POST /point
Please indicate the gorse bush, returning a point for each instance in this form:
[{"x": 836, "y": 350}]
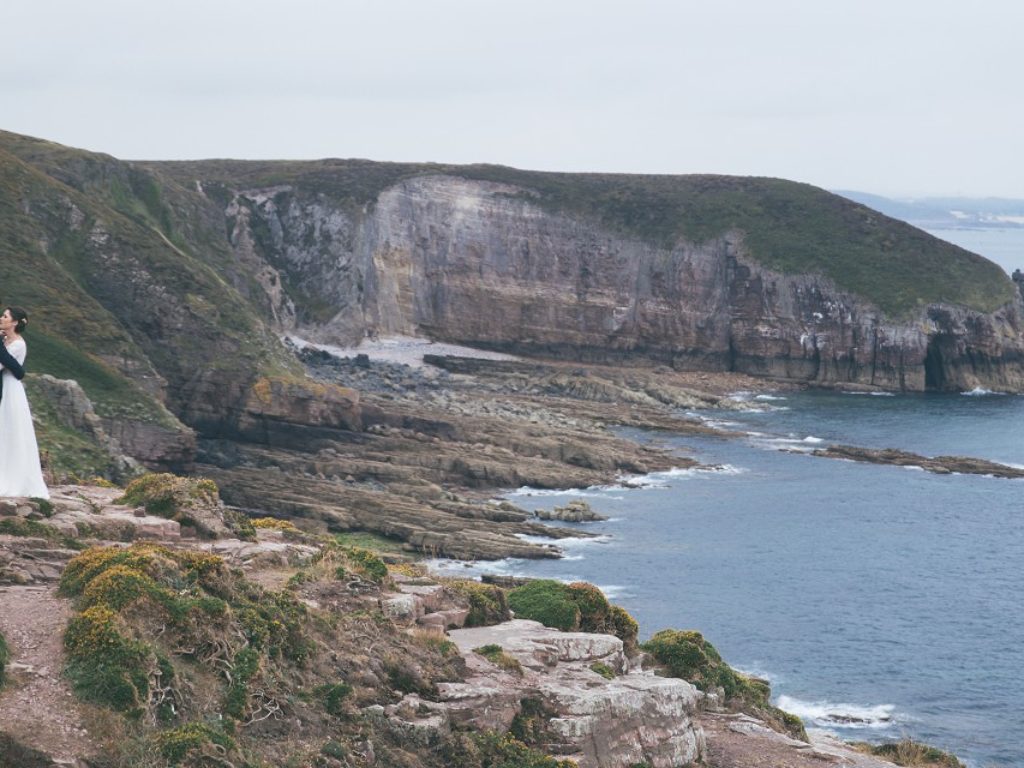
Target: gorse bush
[
  {"x": 913, "y": 753},
  {"x": 487, "y": 603},
  {"x": 106, "y": 664},
  {"x": 186, "y": 500},
  {"x": 686, "y": 654},
  {"x": 193, "y": 739},
  {"x": 570, "y": 607},
  {"x": 204, "y": 610},
  {"x": 549, "y": 602},
  {"x": 367, "y": 563}
]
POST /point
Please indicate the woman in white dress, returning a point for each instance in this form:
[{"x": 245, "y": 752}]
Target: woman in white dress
[{"x": 20, "y": 473}]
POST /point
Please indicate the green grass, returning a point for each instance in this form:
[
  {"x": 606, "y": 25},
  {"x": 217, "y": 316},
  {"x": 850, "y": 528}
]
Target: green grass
[{"x": 370, "y": 541}]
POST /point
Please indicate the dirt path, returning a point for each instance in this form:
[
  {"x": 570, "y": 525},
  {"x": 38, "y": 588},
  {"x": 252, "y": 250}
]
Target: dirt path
[{"x": 37, "y": 706}]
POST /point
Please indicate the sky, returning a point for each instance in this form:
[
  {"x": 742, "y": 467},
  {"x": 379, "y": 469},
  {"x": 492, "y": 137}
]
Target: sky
[{"x": 900, "y": 98}]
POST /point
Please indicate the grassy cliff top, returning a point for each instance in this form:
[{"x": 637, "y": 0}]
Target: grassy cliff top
[{"x": 790, "y": 227}]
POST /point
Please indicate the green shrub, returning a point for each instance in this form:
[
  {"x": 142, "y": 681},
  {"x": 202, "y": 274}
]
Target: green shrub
[
  {"x": 105, "y": 664},
  {"x": 118, "y": 586},
  {"x": 366, "y": 563},
  {"x": 913, "y": 753},
  {"x": 335, "y": 750},
  {"x": 594, "y": 608},
  {"x": 487, "y": 603},
  {"x": 45, "y": 506},
  {"x": 603, "y": 670},
  {"x": 549, "y": 602},
  {"x": 246, "y": 666},
  {"x": 240, "y": 524},
  {"x": 506, "y": 751},
  {"x": 686, "y": 654},
  {"x": 177, "y": 744},
  {"x": 18, "y": 526},
  {"x": 273, "y": 524},
  {"x": 333, "y": 697},
  {"x": 167, "y": 495},
  {"x": 624, "y": 627}
]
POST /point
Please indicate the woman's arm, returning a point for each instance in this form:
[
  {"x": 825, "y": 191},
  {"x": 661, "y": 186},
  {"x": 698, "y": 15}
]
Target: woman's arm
[{"x": 7, "y": 361}]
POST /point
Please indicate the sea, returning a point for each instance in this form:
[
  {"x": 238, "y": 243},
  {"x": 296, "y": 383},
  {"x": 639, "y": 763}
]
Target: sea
[{"x": 881, "y": 602}]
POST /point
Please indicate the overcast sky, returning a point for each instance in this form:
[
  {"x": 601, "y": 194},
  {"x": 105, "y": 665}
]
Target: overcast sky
[{"x": 901, "y": 97}]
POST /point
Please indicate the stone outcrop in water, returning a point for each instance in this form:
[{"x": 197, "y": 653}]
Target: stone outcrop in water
[{"x": 940, "y": 465}]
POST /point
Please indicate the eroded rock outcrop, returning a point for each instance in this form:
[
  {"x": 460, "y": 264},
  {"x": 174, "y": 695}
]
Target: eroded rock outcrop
[
  {"x": 482, "y": 263},
  {"x": 612, "y": 723}
]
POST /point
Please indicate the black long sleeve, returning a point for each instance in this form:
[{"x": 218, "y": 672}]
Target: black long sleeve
[{"x": 7, "y": 361}]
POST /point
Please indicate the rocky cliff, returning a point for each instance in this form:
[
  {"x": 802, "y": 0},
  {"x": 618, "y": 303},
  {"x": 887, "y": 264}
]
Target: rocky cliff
[
  {"x": 162, "y": 289},
  {"x": 488, "y": 263}
]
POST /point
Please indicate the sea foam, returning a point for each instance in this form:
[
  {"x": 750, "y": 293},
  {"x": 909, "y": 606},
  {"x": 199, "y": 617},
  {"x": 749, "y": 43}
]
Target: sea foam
[{"x": 826, "y": 714}]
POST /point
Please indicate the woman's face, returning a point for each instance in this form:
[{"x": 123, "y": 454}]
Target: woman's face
[{"x": 6, "y": 321}]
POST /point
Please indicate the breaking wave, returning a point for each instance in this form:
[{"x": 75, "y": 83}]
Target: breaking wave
[{"x": 825, "y": 714}]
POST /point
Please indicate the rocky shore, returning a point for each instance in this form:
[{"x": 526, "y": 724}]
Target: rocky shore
[{"x": 419, "y": 670}]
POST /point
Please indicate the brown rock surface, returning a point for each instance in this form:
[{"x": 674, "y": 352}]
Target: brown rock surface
[{"x": 942, "y": 465}]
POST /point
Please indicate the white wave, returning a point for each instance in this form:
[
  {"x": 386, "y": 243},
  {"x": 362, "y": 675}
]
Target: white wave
[
  {"x": 613, "y": 591},
  {"x": 828, "y": 715},
  {"x": 792, "y": 444},
  {"x": 980, "y": 392},
  {"x": 661, "y": 479},
  {"x": 882, "y": 394},
  {"x": 593, "y": 492},
  {"x": 770, "y": 397},
  {"x": 564, "y": 543},
  {"x": 812, "y": 439},
  {"x": 472, "y": 568},
  {"x": 742, "y": 396},
  {"x": 758, "y": 672}
]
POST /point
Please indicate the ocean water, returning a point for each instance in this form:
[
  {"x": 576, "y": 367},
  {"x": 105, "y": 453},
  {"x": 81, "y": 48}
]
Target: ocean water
[
  {"x": 1003, "y": 245},
  {"x": 880, "y": 601}
]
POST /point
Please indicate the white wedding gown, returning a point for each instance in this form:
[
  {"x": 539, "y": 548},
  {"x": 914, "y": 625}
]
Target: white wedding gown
[{"x": 20, "y": 473}]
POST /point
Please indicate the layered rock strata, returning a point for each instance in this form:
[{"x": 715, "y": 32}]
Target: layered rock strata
[{"x": 481, "y": 263}]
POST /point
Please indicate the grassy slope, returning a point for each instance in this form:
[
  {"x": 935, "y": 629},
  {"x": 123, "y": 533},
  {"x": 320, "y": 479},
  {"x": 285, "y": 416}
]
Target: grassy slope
[
  {"x": 88, "y": 311},
  {"x": 789, "y": 227},
  {"x": 148, "y": 303}
]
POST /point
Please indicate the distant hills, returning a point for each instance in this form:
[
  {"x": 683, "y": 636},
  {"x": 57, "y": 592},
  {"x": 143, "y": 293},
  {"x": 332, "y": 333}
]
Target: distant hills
[{"x": 946, "y": 212}]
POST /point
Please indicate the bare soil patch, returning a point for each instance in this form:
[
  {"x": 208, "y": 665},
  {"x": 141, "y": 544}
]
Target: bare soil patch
[{"x": 37, "y": 707}]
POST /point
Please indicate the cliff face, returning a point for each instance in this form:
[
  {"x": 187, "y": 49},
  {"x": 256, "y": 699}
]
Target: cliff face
[
  {"x": 482, "y": 263},
  {"x": 161, "y": 288}
]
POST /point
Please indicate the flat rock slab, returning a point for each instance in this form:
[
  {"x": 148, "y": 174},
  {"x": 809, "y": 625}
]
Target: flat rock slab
[{"x": 537, "y": 646}]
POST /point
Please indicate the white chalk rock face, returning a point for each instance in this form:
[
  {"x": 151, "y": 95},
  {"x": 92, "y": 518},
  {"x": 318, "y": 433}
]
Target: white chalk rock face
[{"x": 632, "y": 718}]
